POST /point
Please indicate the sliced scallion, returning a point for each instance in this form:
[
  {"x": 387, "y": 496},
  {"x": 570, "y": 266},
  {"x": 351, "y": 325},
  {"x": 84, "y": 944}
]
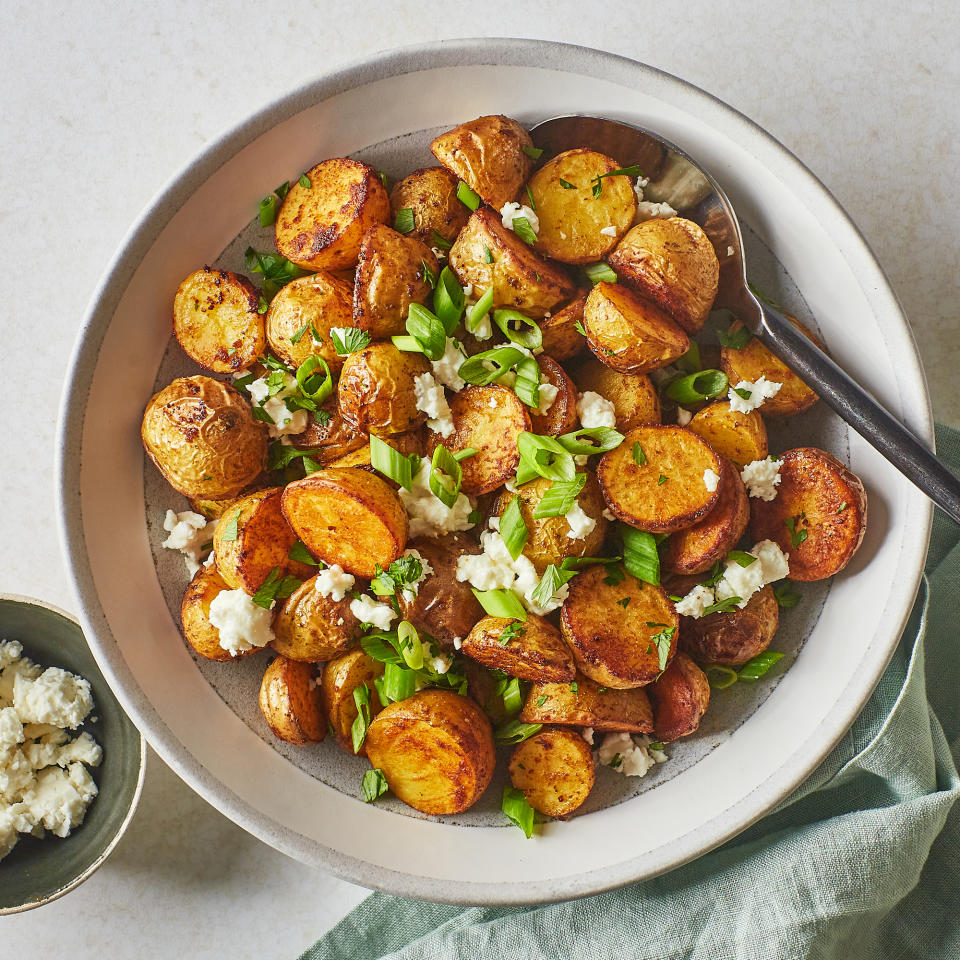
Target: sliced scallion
[
  {"x": 313, "y": 384},
  {"x": 391, "y": 463},
  {"x": 516, "y": 732},
  {"x": 374, "y": 783},
  {"x": 403, "y": 222},
  {"x": 267, "y": 211},
  {"x": 597, "y": 272},
  {"x": 479, "y": 310},
  {"x": 590, "y": 440},
  {"x": 513, "y": 528},
  {"x": 501, "y": 603},
  {"x": 522, "y": 228},
  {"x": 640, "y": 555},
  {"x": 446, "y": 475},
  {"x": 475, "y": 369},
  {"x": 754, "y": 669},
  {"x": 559, "y": 498},
  {"x": 695, "y": 387},
  {"x": 448, "y": 300},
  {"x": 467, "y": 197},
  {"x": 518, "y": 329},
  {"x": 517, "y": 810}
]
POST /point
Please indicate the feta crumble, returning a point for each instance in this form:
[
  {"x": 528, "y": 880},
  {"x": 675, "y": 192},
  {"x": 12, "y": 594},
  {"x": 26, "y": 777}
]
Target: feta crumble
[
  {"x": 711, "y": 479},
  {"x": 240, "y": 623},
  {"x": 580, "y": 524},
  {"x": 695, "y": 602},
  {"x": 587, "y": 734},
  {"x": 647, "y": 210},
  {"x": 759, "y": 390},
  {"x": 433, "y": 402},
  {"x": 430, "y": 516},
  {"x": 625, "y": 754},
  {"x": 285, "y": 421},
  {"x": 595, "y": 411},
  {"x": 761, "y": 478},
  {"x": 368, "y": 610},
  {"x": 510, "y": 211},
  {"x": 683, "y": 417},
  {"x": 57, "y": 697},
  {"x": 548, "y": 393},
  {"x": 411, "y": 589},
  {"x": 333, "y": 582},
  {"x": 608, "y": 514},
  {"x": 445, "y": 369},
  {"x": 188, "y": 532}
]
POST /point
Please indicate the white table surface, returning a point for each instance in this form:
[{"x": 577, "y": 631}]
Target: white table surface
[{"x": 102, "y": 103}]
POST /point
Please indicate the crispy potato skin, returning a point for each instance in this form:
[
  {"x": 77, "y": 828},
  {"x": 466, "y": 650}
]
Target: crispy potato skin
[
  {"x": 672, "y": 263},
  {"x": 741, "y": 437},
  {"x": 431, "y": 193},
  {"x": 410, "y": 442},
  {"x": 290, "y": 702},
  {"x": 561, "y": 338},
  {"x": 332, "y": 438},
  {"x": 731, "y": 639},
  {"x": 561, "y": 415},
  {"x": 630, "y": 334},
  {"x": 198, "y": 631},
  {"x": 320, "y": 227},
  {"x": 680, "y": 699},
  {"x": 376, "y": 389},
  {"x": 521, "y": 280},
  {"x": 590, "y": 706},
  {"x": 314, "y": 628},
  {"x": 612, "y": 644},
  {"x": 537, "y": 653},
  {"x": 215, "y": 320},
  {"x": 697, "y": 548},
  {"x": 340, "y": 676},
  {"x": 211, "y": 509},
  {"x": 321, "y": 299},
  {"x": 813, "y": 487},
  {"x": 202, "y": 437},
  {"x": 435, "y": 749},
  {"x": 390, "y": 276},
  {"x": 349, "y": 517},
  {"x": 487, "y": 155},
  {"x": 633, "y": 396},
  {"x": 548, "y": 541},
  {"x": 636, "y": 495},
  {"x": 554, "y": 769}
]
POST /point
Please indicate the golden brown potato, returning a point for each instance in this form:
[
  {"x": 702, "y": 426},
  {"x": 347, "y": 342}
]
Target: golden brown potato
[
  {"x": 435, "y": 749},
  {"x": 731, "y": 639},
  {"x": 630, "y": 334},
  {"x": 561, "y": 338},
  {"x": 216, "y": 320},
  {"x": 549, "y": 541},
  {"x": 573, "y": 221},
  {"x": 672, "y": 263},
  {"x": 589, "y": 705},
  {"x": 376, "y": 389},
  {"x": 532, "y": 650},
  {"x": 320, "y": 227},
  {"x": 633, "y": 396},
  {"x": 487, "y": 155},
  {"x": 431, "y": 193},
  {"x": 561, "y": 414},
  {"x": 667, "y": 492},
  {"x": 554, "y": 770},
  {"x": 679, "y": 698},
  {"x": 390, "y": 276},
  {"x": 300, "y": 317},
  {"x": 818, "y": 517},
  {"x": 340, "y": 677},
  {"x": 697, "y": 548},
  {"x": 198, "y": 631},
  {"x": 290, "y": 702},
  {"x": 613, "y": 630},
  {"x": 410, "y": 442},
  {"x": 521, "y": 280},
  {"x": 329, "y": 434},
  {"x": 313, "y": 628},
  {"x": 202, "y": 437},
  {"x": 349, "y": 517},
  {"x": 212, "y": 509},
  {"x": 741, "y": 437}
]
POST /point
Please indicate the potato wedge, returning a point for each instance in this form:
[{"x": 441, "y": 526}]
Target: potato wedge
[
  {"x": 349, "y": 517},
  {"x": 575, "y": 225},
  {"x": 731, "y": 639},
  {"x": 487, "y": 155},
  {"x": 329, "y": 434},
  {"x": 561, "y": 338},
  {"x": 630, "y": 334},
  {"x": 607, "y": 628},
  {"x": 741, "y": 437},
  {"x": 435, "y": 749},
  {"x": 216, "y": 321},
  {"x": 340, "y": 677},
  {"x": 319, "y": 227},
  {"x": 633, "y": 396},
  {"x": 818, "y": 517},
  {"x": 290, "y": 702},
  {"x": 590, "y": 705},
  {"x": 672, "y": 263},
  {"x": 679, "y": 698},
  {"x": 532, "y": 650},
  {"x": 198, "y": 631},
  {"x": 431, "y": 193},
  {"x": 667, "y": 492},
  {"x": 554, "y": 769},
  {"x": 410, "y": 442},
  {"x": 560, "y": 415},
  {"x": 314, "y": 628}
]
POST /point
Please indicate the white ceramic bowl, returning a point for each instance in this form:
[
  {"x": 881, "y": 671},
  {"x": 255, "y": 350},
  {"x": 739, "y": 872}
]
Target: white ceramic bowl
[{"x": 184, "y": 712}]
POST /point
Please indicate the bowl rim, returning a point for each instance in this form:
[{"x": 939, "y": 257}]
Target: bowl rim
[
  {"x": 569, "y": 59},
  {"x": 138, "y": 790}
]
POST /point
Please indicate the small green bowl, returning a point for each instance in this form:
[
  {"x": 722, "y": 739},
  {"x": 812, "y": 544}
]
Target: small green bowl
[{"x": 38, "y": 871}]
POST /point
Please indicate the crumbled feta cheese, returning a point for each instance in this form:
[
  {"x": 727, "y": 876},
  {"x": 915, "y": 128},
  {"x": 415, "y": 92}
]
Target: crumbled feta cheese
[
  {"x": 548, "y": 393},
  {"x": 58, "y": 799},
  {"x": 333, "y": 582},
  {"x": 482, "y": 329},
  {"x": 510, "y": 211},
  {"x": 683, "y": 417},
  {"x": 495, "y": 569},
  {"x": 610, "y": 231},
  {"x": 729, "y": 251},
  {"x": 647, "y": 210},
  {"x": 445, "y": 369},
  {"x": 241, "y": 624},
  {"x": 437, "y": 659},
  {"x": 438, "y": 253},
  {"x": 285, "y": 421},
  {"x": 761, "y": 477},
  {"x": 411, "y": 589},
  {"x": 367, "y": 610},
  {"x": 580, "y": 524},
  {"x": 608, "y": 514},
  {"x": 759, "y": 390},
  {"x": 10, "y": 652},
  {"x": 430, "y": 516},
  {"x": 457, "y": 643},
  {"x": 620, "y": 752},
  {"x": 711, "y": 480},
  {"x": 587, "y": 734},
  {"x": 57, "y": 697},
  {"x": 695, "y": 602},
  {"x": 433, "y": 402},
  {"x": 188, "y": 531},
  {"x": 595, "y": 411},
  {"x": 11, "y": 729},
  {"x": 493, "y": 404}
]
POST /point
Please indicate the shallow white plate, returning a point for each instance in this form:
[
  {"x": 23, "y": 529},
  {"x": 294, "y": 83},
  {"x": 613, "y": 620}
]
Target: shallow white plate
[{"x": 202, "y": 721}]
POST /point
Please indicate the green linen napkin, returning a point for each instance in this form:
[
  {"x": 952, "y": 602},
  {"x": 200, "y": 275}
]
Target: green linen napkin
[{"x": 863, "y": 861}]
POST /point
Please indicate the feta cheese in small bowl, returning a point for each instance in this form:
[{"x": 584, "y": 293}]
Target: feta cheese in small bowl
[{"x": 71, "y": 761}]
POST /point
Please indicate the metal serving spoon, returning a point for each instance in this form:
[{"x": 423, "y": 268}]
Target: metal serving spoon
[{"x": 694, "y": 194}]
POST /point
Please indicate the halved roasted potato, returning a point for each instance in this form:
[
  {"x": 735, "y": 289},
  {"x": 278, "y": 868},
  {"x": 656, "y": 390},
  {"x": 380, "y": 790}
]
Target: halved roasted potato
[
  {"x": 633, "y": 396},
  {"x": 560, "y": 414},
  {"x": 435, "y": 750},
  {"x": 431, "y": 195},
  {"x": 561, "y": 338},
  {"x": 320, "y": 226},
  {"x": 554, "y": 769},
  {"x": 212, "y": 509},
  {"x": 410, "y": 442},
  {"x": 532, "y": 650},
  {"x": 655, "y": 479},
  {"x": 329, "y": 434},
  {"x": 818, "y": 517},
  {"x": 741, "y": 437},
  {"x": 198, "y": 631},
  {"x": 584, "y": 703},
  {"x": 341, "y": 676},
  {"x": 349, "y": 517},
  {"x": 290, "y": 702},
  {"x": 312, "y": 627},
  {"x": 731, "y": 639},
  {"x": 679, "y": 698}
]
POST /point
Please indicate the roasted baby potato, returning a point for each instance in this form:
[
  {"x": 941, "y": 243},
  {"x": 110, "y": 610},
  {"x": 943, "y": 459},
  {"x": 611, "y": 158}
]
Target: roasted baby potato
[
  {"x": 560, "y": 415},
  {"x": 482, "y": 686},
  {"x": 391, "y": 274},
  {"x": 435, "y": 749},
  {"x": 212, "y": 509},
  {"x": 818, "y": 517},
  {"x": 554, "y": 770},
  {"x": 341, "y": 677},
  {"x": 575, "y": 225},
  {"x": 742, "y": 437},
  {"x": 679, "y": 699},
  {"x": 630, "y": 334},
  {"x": 320, "y": 226},
  {"x": 532, "y": 650},
  {"x": 329, "y": 434},
  {"x": 614, "y": 630},
  {"x": 561, "y": 338},
  {"x": 487, "y": 155},
  {"x": 202, "y": 437},
  {"x": 521, "y": 280},
  {"x": 349, "y": 517},
  {"x": 407, "y": 443},
  {"x": 290, "y": 702},
  {"x": 697, "y": 548},
  {"x": 633, "y": 396},
  {"x": 198, "y": 631},
  {"x": 313, "y": 628},
  {"x": 589, "y": 705},
  {"x": 431, "y": 194},
  {"x": 672, "y": 263},
  {"x": 731, "y": 639},
  {"x": 216, "y": 321},
  {"x": 667, "y": 492}
]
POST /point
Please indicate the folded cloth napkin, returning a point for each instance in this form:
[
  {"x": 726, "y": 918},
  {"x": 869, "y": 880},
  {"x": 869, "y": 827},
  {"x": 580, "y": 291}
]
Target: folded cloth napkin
[{"x": 863, "y": 861}]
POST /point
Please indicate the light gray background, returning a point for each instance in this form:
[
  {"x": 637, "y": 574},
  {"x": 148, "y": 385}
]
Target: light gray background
[{"x": 103, "y": 102}]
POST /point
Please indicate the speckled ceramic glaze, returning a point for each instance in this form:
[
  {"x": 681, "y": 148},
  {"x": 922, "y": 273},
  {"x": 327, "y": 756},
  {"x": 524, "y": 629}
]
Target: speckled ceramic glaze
[{"x": 756, "y": 743}]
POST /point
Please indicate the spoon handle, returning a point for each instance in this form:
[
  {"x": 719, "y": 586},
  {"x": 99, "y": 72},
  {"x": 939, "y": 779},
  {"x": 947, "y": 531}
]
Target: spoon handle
[{"x": 853, "y": 404}]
